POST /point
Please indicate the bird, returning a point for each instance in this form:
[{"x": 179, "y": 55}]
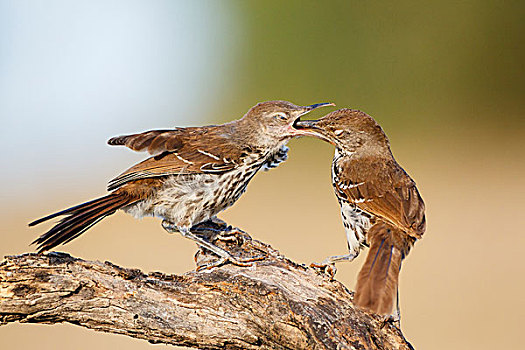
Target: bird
[
  {"x": 192, "y": 174},
  {"x": 380, "y": 205}
]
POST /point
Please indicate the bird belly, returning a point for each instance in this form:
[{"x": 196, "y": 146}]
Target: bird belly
[
  {"x": 356, "y": 223},
  {"x": 187, "y": 200}
]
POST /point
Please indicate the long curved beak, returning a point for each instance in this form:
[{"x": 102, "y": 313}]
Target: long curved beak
[
  {"x": 307, "y": 109},
  {"x": 317, "y": 105}
]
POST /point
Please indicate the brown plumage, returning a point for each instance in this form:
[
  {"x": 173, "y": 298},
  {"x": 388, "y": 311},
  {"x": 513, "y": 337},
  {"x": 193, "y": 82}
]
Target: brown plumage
[
  {"x": 80, "y": 218},
  {"x": 192, "y": 175},
  {"x": 380, "y": 204},
  {"x": 377, "y": 281}
]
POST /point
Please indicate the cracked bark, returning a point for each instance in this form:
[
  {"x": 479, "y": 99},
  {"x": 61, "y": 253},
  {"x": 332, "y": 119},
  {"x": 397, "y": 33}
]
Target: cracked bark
[{"x": 277, "y": 304}]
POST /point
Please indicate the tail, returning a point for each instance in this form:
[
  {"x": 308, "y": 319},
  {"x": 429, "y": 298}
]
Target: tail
[
  {"x": 377, "y": 282},
  {"x": 78, "y": 219}
]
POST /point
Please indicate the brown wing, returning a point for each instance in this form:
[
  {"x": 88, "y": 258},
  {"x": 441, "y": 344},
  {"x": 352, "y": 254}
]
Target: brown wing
[
  {"x": 154, "y": 141},
  {"x": 383, "y": 189},
  {"x": 178, "y": 151}
]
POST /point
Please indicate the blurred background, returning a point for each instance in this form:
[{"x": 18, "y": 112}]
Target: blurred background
[{"x": 445, "y": 79}]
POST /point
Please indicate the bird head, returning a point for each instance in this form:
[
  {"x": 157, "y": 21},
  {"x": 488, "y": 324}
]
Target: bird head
[
  {"x": 275, "y": 120},
  {"x": 347, "y": 129}
]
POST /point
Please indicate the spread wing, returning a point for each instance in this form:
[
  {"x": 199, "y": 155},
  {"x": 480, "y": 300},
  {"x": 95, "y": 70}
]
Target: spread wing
[
  {"x": 384, "y": 189},
  {"x": 154, "y": 141},
  {"x": 178, "y": 151}
]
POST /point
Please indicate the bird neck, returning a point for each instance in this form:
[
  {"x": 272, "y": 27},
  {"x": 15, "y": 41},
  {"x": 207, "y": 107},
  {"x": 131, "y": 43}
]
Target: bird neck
[
  {"x": 254, "y": 136},
  {"x": 365, "y": 150}
]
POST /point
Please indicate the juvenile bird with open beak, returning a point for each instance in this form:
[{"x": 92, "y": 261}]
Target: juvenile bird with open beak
[
  {"x": 380, "y": 204},
  {"x": 192, "y": 175}
]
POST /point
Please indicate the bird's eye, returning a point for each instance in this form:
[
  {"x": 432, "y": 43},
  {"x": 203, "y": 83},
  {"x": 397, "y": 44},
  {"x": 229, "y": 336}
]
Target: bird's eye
[{"x": 281, "y": 116}]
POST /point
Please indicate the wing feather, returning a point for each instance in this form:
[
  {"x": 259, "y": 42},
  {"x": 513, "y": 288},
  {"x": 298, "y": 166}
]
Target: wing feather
[
  {"x": 179, "y": 151},
  {"x": 154, "y": 141},
  {"x": 385, "y": 191}
]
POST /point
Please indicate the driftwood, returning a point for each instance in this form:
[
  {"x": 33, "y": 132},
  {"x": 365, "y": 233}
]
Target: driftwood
[{"x": 276, "y": 304}]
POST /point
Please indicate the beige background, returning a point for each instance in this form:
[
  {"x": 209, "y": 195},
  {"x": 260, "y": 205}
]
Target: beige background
[{"x": 444, "y": 80}]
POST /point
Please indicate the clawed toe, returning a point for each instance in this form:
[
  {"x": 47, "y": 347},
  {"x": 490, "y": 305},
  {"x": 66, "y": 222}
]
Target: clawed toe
[
  {"x": 326, "y": 268},
  {"x": 245, "y": 262},
  {"x": 226, "y": 233},
  {"x": 209, "y": 266},
  {"x": 226, "y": 238},
  {"x": 393, "y": 319},
  {"x": 229, "y": 236}
]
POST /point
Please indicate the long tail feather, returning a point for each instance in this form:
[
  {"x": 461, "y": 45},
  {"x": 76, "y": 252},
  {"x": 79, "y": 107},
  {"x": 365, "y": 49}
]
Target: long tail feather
[
  {"x": 78, "y": 219},
  {"x": 68, "y": 210},
  {"x": 377, "y": 282}
]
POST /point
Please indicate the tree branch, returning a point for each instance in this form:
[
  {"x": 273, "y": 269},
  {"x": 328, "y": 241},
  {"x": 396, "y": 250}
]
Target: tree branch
[{"x": 276, "y": 304}]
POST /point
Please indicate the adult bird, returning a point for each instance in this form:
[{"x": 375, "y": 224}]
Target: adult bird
[{"x": 380, "y": 204}]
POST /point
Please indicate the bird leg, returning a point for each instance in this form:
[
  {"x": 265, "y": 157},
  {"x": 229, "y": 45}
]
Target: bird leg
[
  {"x": 397, "y": 314},
  {"x": 328, "y": 265},
  {"x": 225, "y": 257}
]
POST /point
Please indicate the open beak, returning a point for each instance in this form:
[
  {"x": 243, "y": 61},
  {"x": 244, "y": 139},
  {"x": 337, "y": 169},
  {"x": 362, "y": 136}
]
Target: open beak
[
  {"x": 312, "y": 128},
  {"x": 305, "y": 124},
  {"x": 308, "y": 109},
  {"x": 293, "y": 130}
]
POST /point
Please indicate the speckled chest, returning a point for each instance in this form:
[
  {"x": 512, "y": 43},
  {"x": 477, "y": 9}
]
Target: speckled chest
[
  {"x": 355, "y": 221},
  {"x": 188, "y": 199}
]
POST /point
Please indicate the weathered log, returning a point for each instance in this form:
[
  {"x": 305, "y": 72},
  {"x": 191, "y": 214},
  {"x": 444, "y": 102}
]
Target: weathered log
[{"x": 276, "y": 304}]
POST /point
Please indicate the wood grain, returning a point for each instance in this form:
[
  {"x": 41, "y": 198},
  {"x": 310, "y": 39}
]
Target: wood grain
[{"x": 276, "y": 304}]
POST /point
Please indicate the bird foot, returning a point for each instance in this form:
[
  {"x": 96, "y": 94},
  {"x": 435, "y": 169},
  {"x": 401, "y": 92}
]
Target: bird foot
[
  {"x": 222, "y": 232},
  {"x": 245, "y": 262},
  {"x": 231, "y": 234},
  {"x": 327, "y": 268},
  {"x": 393, "y": 319},
  {"x": 216, "y": 229}
]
